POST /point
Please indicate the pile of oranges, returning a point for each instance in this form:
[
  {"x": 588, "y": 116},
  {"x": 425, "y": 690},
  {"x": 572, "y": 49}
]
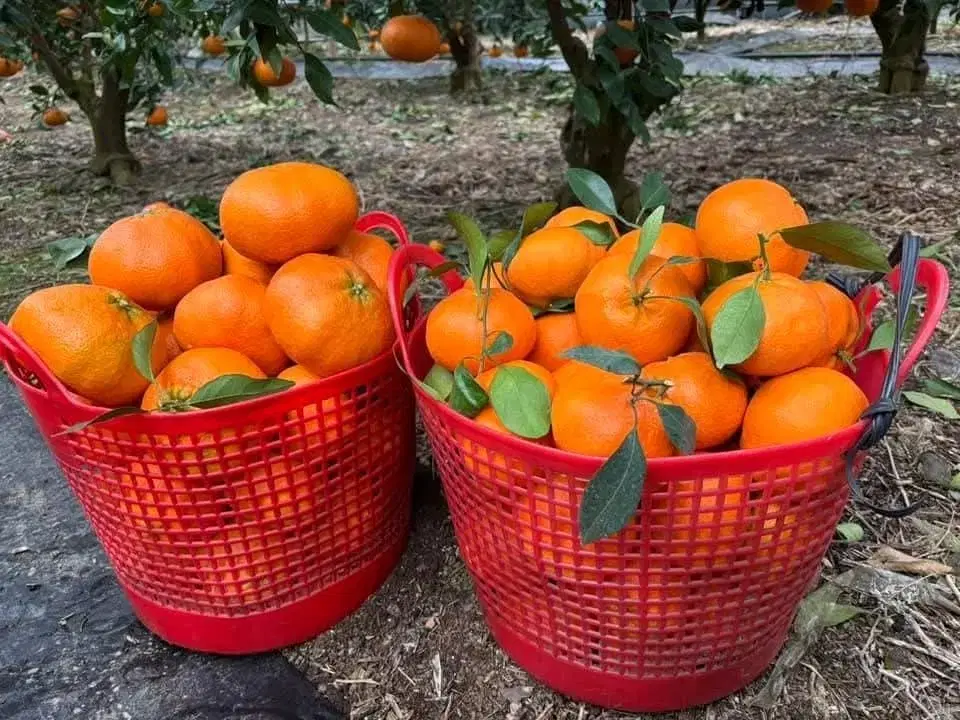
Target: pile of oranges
[
  {"x": 291, "y": 291},
  {"x": 608, "y": 337}
]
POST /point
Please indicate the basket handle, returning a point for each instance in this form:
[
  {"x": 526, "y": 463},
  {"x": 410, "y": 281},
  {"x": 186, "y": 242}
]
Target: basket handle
[
  {"x": 378, "y": 220},
  {"x": 405, "y": 261},
  {"x": 933, "y": 278},
  {"x": 15, "y": 352}
]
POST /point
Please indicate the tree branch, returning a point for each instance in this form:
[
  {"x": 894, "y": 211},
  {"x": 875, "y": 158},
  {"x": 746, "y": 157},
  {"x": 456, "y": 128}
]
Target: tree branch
[
  {"x": 81, "y": 93},
  {"x": 574, "y": 51}
]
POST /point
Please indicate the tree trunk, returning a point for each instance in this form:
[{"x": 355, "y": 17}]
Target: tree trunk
[
  {"x": 112, "y": 156},
  {"x": 903, "y": 68},
  {"x": 465, "y": 49},
  {"x": 602, "y": 148}
]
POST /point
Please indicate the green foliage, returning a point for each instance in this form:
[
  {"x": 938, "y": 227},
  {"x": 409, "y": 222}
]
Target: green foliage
[{"x": 521, "y": 402}]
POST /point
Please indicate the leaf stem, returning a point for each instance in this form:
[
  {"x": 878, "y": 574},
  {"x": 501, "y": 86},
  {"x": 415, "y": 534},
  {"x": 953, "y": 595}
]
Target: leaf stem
[{"x": 763, "y": 255}]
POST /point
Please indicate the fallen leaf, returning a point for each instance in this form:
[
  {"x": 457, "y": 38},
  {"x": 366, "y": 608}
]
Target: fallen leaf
[{"x": 887, "y": 558}]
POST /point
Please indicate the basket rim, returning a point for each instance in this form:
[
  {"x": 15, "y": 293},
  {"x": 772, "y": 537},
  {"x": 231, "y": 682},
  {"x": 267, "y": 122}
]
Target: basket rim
[{"x": 159, "y": 420}]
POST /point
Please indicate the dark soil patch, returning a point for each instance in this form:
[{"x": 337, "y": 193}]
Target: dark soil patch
[{"x": 887, "y": 165}]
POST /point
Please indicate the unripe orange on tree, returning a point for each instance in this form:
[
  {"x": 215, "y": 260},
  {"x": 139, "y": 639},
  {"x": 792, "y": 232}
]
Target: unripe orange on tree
[
  {"x": 157, "y": 117},
  {"x": 411, "y": 38},
  {"x": 214, "y": 45},
  {"x": 861, "y": 8},
  {"x": 54, "y": 116},
  {"x": 272, "y": 214},
  {"x": 625, "y": 55},
  {"x": 268, "y": 78}
]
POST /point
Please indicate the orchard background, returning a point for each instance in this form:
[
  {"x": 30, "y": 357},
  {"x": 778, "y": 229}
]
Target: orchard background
[{"x": 866, "y": 133}]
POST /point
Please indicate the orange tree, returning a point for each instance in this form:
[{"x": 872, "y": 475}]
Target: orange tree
[{"x": 109, "y": 56}]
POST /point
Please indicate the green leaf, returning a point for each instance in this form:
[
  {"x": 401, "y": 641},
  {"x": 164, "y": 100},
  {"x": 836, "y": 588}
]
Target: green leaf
[
  {"x": 697, "y": 311},
  {"x": 840, "y": 243},
  {"x": 536, "y": 215},
  {"x": 681, "y": 260},
  {"x": 442, "y": 268},
  {"x": 611, "y": 499},
  {"x": 499, "y": 242},
  {"x": 205, "y": 210},
  {"x": 109, "y": 415},
  {"x": 680, "y": 428},
  {"x": 883, "y": 335},
  {"x": 330, "y": 24},
  {"x": 502, "y": 342},
  {"x": 142, "y": 347},
  {"x": 319, "y": 78},
  {"x": 851, "y": 532},
  {"x": 648, "y": 238},
  {"x": 737, "y": 327},
  {"x": 653, "y": 191},
  {"x": 612, "y": 361},
  {"x": 719, "y": 272},
  {"x": 411, "y": 292},
  {"x": 228, "y": 389},
  {"x": 621, "y": 37},
  {"x": 467, "y": 397},
  {"x": 656, "y": 6},
  {"x": 687, "y": 24},
  {"x": 663, "y": 26},
  {"x": 941, "y": 389},
  {"x": 521, "y": 402},
  {"x": 440, "y": 381},
  {"x": 599, "y": 233},
  {"x": 932, "y": 251},
  {"x": 476, "y": 244},
  {"x": 592, "y": 190},
  {"x": 586, "y": 105},
  {"x": 941, "y": 406},
  {"x": 69, "y": 249}
]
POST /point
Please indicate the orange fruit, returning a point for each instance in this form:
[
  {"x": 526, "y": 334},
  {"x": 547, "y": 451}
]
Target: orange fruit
[
  {"x": 437, "y": 246},
  {"x": 213, "y": 45},
  {"x": 327, "y": 314},
  {"x": 336, "y": 419},
  {"x": 574, "y": 215},
  {"x": 370, "y": 252},
  {"x": 9, "y": 68},
  {"x": 551, "y": 264},
  {"x": 814, "y": 6},
  {"x": 591, "y": 415},
  {"x": 731, "y": 217},
  {"x": 228, "y": 312},
  {"x": 795, "y": 330},
  {"x": 236, "y": 264},
  {"x": 485, "y": 379},
  {"x": 675, "y": 240},
  {"x": 158, "y": 205},
  {"x": 156, "y": 257},
  {"x": 556, "y": 333},
  {"x": 861, "y": 8},
  {"x": 444, "y": 49},
  {"x": 67, "y": 15},
  {"x": 714, "y": 401},
  {"x": 496, "y": 51},
  {"x": 626, "y": 55},
  {"x": 54, "y": 116},
  {"x": 83, "y": 334},
  {"x": 843, "y": 324},
  {"x": 165, "y": 345},
  {"x": 614, "y": 312},
  {"x": 411, "y": 38},
  {"x": 455, "y": 328},
  {"x": 274, "y": 213},
  {"x": 709, "y": 512},
  {"x": 373, "y": 34},
  {"x": 802, "y": 405},
  {"x": 265, "y": 75},
  {"x": 193, "y": 369},
  {"x": 574, "y": 370},
  {"x": 157, "y": 117},
  {"x": 520, "y": 51},
  {"x": 155, "y": 10}
]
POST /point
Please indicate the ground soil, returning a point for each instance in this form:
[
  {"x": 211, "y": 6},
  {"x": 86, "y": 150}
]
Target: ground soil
[{"x": 889, "y": 165}]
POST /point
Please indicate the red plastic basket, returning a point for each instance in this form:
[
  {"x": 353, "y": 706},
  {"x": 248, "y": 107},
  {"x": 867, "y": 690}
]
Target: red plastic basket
[
  {"x": 248, "y": 527},
  {"x": 690, "y": 602}
]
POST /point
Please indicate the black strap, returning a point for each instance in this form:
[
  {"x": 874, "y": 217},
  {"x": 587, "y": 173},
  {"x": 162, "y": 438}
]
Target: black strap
[{"x": 882, "y": 412}]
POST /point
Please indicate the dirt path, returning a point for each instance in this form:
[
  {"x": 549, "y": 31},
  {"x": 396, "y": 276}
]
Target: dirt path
[{"x": 888, "y": 165}]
